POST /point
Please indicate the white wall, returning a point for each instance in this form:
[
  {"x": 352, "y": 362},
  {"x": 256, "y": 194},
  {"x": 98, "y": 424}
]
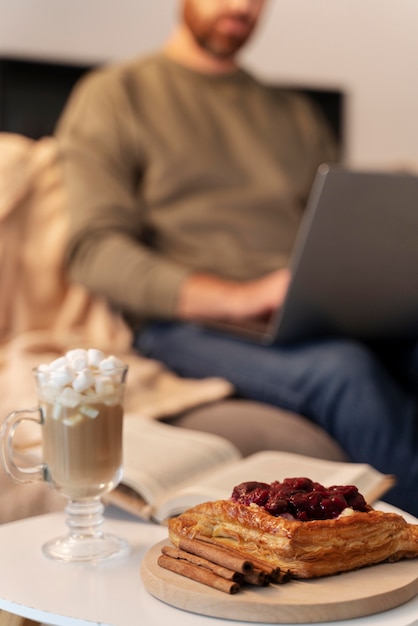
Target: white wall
[{"x": 369, "y": 48}]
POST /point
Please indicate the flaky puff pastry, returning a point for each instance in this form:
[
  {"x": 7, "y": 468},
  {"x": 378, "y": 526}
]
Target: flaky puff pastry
[{"x": 307, "y": 549}]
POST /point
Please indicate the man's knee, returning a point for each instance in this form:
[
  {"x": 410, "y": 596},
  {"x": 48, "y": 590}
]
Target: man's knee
[{"x": 349, "y": 362}]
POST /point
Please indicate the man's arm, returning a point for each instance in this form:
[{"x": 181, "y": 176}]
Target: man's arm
[
  {"x": 102, "y": 164},
  {"x": 203, "y": 296}
]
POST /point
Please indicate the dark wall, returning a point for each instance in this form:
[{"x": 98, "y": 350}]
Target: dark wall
[{"x": 33, "y": 93}]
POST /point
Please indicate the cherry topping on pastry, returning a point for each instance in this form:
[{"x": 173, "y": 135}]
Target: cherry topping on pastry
[{"x": 301, "y": 499}]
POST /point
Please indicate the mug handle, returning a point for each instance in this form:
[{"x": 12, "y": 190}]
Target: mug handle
[{"x": 8, "y": 429}]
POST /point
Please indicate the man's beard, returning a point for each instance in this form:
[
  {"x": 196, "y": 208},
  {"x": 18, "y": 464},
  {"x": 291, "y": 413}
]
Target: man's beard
[
  {"x": 221, "y": 46},
  {"x": 208, "y": 37}
]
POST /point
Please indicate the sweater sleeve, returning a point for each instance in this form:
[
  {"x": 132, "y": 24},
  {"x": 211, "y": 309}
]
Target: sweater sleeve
[{"x": 102, "y": 166}]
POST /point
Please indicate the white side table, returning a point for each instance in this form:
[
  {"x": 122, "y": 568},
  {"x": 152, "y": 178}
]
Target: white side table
[{"x": 111, "y": 594}]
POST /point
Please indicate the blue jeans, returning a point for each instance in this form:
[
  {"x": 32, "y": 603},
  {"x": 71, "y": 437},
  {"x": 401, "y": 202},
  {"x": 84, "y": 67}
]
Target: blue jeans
[{"x": 342, "y": 385}]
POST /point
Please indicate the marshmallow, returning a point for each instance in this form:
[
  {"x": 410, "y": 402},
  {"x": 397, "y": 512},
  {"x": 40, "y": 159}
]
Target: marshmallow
[
  {"x": 57, "y": 363},
  {"x": 83, "y": 380},
  {"x": 72, "y": 420},
  {"x": 110, "y": 363},
  {"x": 57, "y": 410},
  {"x": 77, "y": 359},
  {"x": 61, "y": 376},
  {"x": 50, "y": 392},
  {"x": 79, "y": 363},
  {"x": 43, "y": 374},
  {"x": 104, "y": 385},
  {"x": 89, "y": 411},
  {"x": 94, "y": 357},
  {"x": 69, "y": 397},
  {"x": 72, "y": 355}
]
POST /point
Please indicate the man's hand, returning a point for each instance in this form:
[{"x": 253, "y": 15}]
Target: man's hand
[{"x": 204, "y": 296}]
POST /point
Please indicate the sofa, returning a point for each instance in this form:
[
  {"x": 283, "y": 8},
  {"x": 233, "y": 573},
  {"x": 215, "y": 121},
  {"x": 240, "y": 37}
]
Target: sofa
[{"x": 42, "y": 316}]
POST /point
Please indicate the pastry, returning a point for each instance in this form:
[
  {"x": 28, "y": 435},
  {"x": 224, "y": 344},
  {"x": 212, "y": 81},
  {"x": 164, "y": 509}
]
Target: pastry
[{"x": 351, "y": 535}]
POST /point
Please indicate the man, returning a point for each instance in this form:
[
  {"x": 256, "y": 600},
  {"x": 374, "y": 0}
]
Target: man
[{"x": 187, "y": 179}]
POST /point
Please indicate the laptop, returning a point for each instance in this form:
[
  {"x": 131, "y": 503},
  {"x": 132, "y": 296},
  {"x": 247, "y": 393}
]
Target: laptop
[{"x": 354, "y": 264}]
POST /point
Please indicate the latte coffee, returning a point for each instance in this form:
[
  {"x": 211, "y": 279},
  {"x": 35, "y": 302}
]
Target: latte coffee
[{"x": 82, "y": 448}]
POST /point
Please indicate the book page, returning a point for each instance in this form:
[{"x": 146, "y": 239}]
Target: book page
[
  {"x": 269, "y": 466},
  {"x": 158, "y": 457}
]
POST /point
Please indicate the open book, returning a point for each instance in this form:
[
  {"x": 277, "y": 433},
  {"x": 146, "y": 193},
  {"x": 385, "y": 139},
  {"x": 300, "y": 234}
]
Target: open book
[{"x": 167, "y": 470}]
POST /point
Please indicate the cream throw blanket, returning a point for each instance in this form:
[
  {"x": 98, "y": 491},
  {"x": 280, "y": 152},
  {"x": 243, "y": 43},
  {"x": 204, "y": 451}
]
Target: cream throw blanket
[{"x": 42, "y": 315}]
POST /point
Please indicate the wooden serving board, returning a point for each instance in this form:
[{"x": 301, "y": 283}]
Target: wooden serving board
[{"x": 345, "y": 596}]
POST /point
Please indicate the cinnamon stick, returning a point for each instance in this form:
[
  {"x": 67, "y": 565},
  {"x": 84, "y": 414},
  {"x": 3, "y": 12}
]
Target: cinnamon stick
[
  {"x": 198, "y": 573},
  {"x": 219, "y": 570},
  {"x": 273, "y": 573},
  {"x": 281, "y": 577},
  {"x": 256, "y": 577},
  {"x": 217, "y": 554}
]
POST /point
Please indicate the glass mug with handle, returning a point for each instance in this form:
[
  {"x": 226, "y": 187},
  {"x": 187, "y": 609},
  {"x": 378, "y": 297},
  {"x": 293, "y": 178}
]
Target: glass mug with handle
[{"x": 80, "y": 410}]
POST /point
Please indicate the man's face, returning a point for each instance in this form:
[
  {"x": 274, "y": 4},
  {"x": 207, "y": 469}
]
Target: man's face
[{"x": 221, "y": 27}]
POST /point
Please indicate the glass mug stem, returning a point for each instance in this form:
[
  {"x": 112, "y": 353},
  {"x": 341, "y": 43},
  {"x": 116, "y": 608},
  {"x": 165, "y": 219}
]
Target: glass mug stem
[
  {"x": 9, "y": 426},
  {"x": 85, "y": 539}
]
